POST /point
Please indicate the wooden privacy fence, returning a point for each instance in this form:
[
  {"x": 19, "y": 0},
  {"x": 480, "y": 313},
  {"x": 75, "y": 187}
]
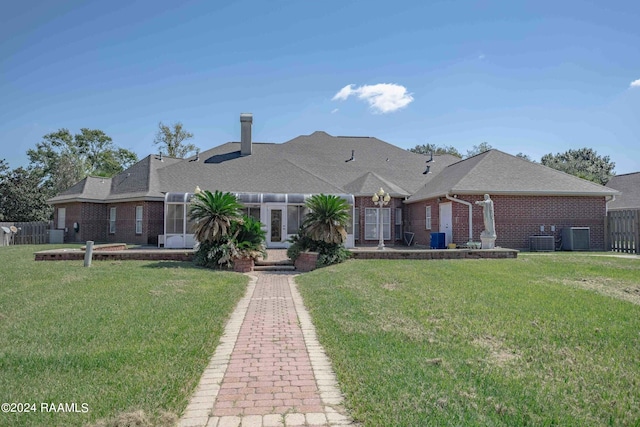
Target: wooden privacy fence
[
  {"x": 623, "y": 230},
  {"x": 29, "y": 233}
]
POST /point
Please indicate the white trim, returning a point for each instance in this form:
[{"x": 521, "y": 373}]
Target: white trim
[
  {"x": 428, "y": 217},
  {"x": 282, "y": 207},
  {"x": 62, "y": 218},
  {"x": 112, "y": 219},
  {"x": 386, "y": 226},
  {"x": 139, "y": 220},
  {"x": 442, "y": 224}
]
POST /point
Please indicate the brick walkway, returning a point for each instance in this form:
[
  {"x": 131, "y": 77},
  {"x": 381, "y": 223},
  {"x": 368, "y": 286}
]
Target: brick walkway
[{"x": 269, "y": 369}]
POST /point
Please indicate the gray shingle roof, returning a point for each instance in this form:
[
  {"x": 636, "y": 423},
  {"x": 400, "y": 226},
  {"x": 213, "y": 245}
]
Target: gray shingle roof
[
  {"x": 317, "y": 163},
  {"x": 140, "y": 181},
  {"x": 495, "y": 172},
  {"x": 629, "y": 187},
  {"x": 91, "y": 188},
  {"x": 307, "y": 164}
]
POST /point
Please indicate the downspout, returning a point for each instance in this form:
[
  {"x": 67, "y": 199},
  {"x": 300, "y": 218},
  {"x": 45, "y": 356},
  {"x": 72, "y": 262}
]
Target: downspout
[
  {"x": 470, "y": 213},
  {"x": 612, "y": 199},
  {"x": 607, "y": 232}
]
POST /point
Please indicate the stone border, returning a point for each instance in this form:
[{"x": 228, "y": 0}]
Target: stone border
[
  {"x": 332, "y": 398},
  {"x": 201, "y": 402}
]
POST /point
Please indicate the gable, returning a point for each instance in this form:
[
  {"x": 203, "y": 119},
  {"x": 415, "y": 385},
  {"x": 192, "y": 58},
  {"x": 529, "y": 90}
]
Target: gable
[
  {"x": 495, "y": 172},
  {"x": 629, "y": 187}
]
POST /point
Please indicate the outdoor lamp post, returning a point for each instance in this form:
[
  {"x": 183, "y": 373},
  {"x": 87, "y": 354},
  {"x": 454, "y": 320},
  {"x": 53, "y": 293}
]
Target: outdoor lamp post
[{"x": 381, "y": 199}]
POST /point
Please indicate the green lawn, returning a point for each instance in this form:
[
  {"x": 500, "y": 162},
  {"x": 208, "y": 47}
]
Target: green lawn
[
  {"x": 541, "y": 340},
  {"x": 118, "y": 336}
]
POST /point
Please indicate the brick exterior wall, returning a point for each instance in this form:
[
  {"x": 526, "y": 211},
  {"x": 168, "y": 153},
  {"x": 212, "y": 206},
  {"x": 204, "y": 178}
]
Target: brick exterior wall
[
  {"x": 73, "y": 213},
  {"x": 152, "y": 222},
  {"x": 415, "y": 221},
  {"x": 517, "y": 218},
  {"x": 365, "y": 202},
  {"x": 93, "y": 220},
  {"x": 92, "y": 223}
]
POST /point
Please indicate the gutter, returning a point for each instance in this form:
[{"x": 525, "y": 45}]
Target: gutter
[
  {"x": 612, "y": 199},
  {"x": 517, "y": 193},
  {"x": 453, "y": 199}
]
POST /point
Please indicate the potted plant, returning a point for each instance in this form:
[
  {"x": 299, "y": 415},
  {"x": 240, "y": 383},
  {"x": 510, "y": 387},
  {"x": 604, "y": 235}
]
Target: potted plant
[{"x": 323, "y": 232}]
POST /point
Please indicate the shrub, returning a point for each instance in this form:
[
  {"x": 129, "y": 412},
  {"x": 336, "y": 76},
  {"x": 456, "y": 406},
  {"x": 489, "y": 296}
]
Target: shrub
[
  {"x": 246, "y": 239},
  {"x": 323, "y": 230},
  {"x": 328, "y": 253},
  {"x": 214, "y": 254},
  {"x": 249, "y": 238}
]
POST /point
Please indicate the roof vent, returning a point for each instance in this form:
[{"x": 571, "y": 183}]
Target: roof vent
[
  {"x": 353, "y": 156},
  {"x": 428, "y": 170}
]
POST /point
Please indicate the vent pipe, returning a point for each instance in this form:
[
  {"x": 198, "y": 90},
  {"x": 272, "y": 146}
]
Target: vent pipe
[{"x": 246, "y": 119}]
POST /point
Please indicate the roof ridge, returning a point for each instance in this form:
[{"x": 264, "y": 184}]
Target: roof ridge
[
  {"x": 624, "y": 174},
  {"x": 347, "y": 136},
  {"x": 485, "y": 153}
]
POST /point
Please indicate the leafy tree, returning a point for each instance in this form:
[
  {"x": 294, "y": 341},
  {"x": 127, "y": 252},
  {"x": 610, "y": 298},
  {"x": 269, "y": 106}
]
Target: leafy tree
[
  {"x": 584, "y": 163},
  {"x": 478, "y": 149},
  {"x": 435, "y": 149},
  {"x": 112, "y": 162},
  {"x": 63, "y": 159},
  {"x": 213, "y": 214},
  {"x": 173, "y": 140},
  {"x": 525, "y": 157},
  {"x": 20, "y": 196},
  {"x": 4, "y": 167},
  {"x": 327, "y": 219}
]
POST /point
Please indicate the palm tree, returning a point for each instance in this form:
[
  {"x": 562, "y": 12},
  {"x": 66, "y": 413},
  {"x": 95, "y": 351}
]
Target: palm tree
[
  {"x": 249, "y": 237},
  {"x": 327, "y": 219},
  {"x": 213, "y": 214}
]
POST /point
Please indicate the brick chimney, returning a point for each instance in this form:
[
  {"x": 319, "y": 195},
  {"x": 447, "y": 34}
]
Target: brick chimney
[{"x": 246, "y": 119}]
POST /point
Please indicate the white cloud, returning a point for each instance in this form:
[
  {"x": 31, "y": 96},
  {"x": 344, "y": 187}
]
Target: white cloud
[
  {"x": 382, "y": 97},
  {"x": 343, "y": 94},
  {"x": 635, "y": 83},
  {"x": 335, "y": 110}
]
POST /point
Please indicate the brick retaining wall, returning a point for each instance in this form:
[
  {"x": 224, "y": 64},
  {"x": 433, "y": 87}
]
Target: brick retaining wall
[
  {"x": 436, "y": 254},
  {"x": 74, "y": 255},
  {"x": 306, "y": 261}
]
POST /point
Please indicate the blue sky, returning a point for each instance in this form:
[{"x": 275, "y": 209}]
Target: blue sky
[{"x": 533, "y": 77}]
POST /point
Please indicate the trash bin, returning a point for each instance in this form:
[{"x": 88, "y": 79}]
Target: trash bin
[{"x": 438, "y": 240}]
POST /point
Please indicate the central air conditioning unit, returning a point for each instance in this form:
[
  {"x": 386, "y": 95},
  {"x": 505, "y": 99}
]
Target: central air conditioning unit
[
  {"x": 576, "y": 238},
  {"x": 542, "y": 243}
]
